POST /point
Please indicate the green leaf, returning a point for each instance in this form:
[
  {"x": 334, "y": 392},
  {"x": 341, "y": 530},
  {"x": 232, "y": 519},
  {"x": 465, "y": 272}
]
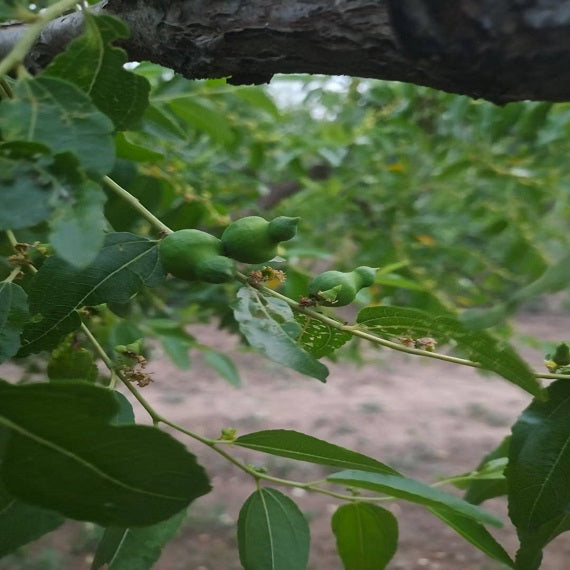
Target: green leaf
[
  {"x": 259, "y": 99},
  {"x": 131, "y": 151},
  {"x": 493, "y": 355},
  {"x": 55, "y": 113},
  {"x": 224, "y": 366},
  {"x": 65, "y": 454},
  {"x": 126, "y": 414},
  {"x": 390, "y": 322},
  {"x": 135, "y": 548},
  {"x": 296, "y": 445},
  {"x": 537, "y": 473},
  {"x": 318, "y": 338},
  {"x": 267, "y": 325},
  {"x": 175, "y": 341},
  {"x": 125, "y": 265},
  {"x": 27, "y": 190},
  {"x": 555, "y": 278},
  {"x": 77, "y": 227},
  {"x": 97, "y": 68},
  {"x": 205, "y": 118},
  {"x": 69, "y": 362},
  {"x": 413, "y": 491},
  {"x": 475, "y": 533},
  {"x": 21, "y": 523},
  {"x": 481, "y": 347},
  {"x": 366, "y": 536},
  {"x": 13, "y": 317},
  {"x": 272, "y": 533},
  {"x": 481, "y": 490}
]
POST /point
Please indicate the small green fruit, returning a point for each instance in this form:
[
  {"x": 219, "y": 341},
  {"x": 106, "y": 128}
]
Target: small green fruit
[
  {"x": 194, "y": 255},
  {"x": 562, "y": 354},
  {"x": 254, "y": 240},
  {"x": 335, "y": 288}
]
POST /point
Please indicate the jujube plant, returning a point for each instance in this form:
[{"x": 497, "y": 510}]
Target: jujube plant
[{"x": 77, "y": 167}]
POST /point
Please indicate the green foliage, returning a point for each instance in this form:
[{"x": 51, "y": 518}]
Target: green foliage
[
  {"x": 130, "y": 548},
  {"x": 537, "y": 474},
  {"x": 366, "y": 536},
  {"x": 13, "y": 316},
  {"x": 125, "y": 264},
  {"x": 481, "y": 347},
  {"x": 120, "y": 95},
  {"x": 413, "y": 491},
  {"x": 21, "y": 523},
  {"x": 318, "y": 338},
  {"x": 295, "y": 445},
  {"x": 460, "y": 205},
  {"x": 272, "y": 532},
  {"x": 269, "y": 325},
  {"x": 35, "y": 115},
  {"x": 117, "y": 482}
]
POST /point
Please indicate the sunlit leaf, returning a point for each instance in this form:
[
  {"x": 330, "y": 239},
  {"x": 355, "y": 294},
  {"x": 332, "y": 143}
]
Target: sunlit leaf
[
  {"x": 302, "y": 447},
  {"x": 269, "y": 325}
]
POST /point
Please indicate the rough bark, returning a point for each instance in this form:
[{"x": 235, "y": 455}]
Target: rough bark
[{"x": 500, "y": 50}]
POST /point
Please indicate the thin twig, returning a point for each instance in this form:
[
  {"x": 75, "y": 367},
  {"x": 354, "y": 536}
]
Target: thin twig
[{"x": 135, "y": 203}]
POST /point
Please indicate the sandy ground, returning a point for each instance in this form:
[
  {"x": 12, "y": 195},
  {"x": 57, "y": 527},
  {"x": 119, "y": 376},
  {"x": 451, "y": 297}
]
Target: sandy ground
[{"x": 424, "y": 417}]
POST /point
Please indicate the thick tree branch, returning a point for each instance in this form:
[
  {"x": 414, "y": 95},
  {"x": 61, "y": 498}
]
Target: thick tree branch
[{"x": 503, "y": 51}]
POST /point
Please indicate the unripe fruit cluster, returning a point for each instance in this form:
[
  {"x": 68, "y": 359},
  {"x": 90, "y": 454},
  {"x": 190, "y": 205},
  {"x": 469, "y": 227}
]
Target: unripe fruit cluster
[{"x": 194, "y": 255}]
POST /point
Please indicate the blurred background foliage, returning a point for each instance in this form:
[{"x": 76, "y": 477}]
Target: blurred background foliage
[{"x": 459, "y": 202}]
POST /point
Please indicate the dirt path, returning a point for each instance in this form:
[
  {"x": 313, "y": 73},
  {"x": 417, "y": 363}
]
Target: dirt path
[{"x": 424, "y": 417}]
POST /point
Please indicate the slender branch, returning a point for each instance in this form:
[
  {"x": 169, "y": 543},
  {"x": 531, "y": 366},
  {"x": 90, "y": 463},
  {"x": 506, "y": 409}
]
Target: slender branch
[
  {"x": 33, "y": 30},
  {"x": 11, "y": 238},
  {"x": 157, "y": 418},
  {"x": 355, "y": 330},
  {"x": 135, "y": 203},
  {"x": 13, "y": 274}
]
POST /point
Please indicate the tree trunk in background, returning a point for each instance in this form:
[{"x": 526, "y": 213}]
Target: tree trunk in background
[{"x": 500, "y": 50}]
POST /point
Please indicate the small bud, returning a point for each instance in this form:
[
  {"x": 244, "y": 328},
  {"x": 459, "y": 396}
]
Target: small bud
[{"x": 228, "y": 434}]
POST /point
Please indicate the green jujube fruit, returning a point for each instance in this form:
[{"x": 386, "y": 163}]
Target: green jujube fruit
[
  {"x": 562, "y": 354},
  {"x": 194, "y": 255},
  {"x": 254, "y": 240},
  {"x": 335, "y": 288}
]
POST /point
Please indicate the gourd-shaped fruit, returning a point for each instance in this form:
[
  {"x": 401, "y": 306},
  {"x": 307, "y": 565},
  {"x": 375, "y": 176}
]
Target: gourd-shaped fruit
[
  {"x": 254, "y": 240},
  {"x": 194, "y": 255},
  {"x": 335, "y": 288}
]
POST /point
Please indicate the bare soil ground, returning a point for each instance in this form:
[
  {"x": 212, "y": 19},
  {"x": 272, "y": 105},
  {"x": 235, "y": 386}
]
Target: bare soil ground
[{"x": 424, "y": 417}]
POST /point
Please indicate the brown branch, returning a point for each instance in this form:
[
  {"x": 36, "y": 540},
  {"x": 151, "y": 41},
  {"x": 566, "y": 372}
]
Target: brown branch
[{"x": 503, "y": 51}]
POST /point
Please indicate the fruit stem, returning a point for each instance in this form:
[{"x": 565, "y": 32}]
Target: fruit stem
[{"x": 135, "y": 203}]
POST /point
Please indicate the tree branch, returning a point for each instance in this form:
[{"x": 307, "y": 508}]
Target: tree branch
[{"x": 501, "y": 51}]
